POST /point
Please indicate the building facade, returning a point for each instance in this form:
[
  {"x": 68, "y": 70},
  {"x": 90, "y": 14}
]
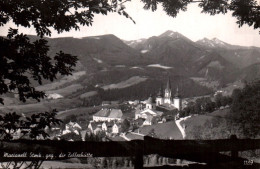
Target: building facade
[
  {"x": 108, "y": 115},
  {"x": 167, "y": 99}
]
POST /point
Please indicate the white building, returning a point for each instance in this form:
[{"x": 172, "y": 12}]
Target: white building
[
  {"x": 148, "y": 113},
  {"x": 72, "y": 127},
  {"x": 116, "y": 128},
  {"x": 108, "y": 115},
  {"x": 167, "y": 99}
]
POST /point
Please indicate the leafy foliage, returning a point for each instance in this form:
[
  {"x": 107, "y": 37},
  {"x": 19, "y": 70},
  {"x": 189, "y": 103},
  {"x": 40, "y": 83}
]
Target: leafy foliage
[
  {"x": 61, "y": 15},
  {"x": 22, "y": 61},
  {"x": 216, "y": 128},
  {"x": 32, "y": 127},
  {"x": 245, "y": 11},
  {"x": 205, "y": 105},
  {"x": 125, "y": 125},
  {"x": 245, "y": 110},
  {"x": 100, "y": 136},
  {"x": 243, "y": 119}
]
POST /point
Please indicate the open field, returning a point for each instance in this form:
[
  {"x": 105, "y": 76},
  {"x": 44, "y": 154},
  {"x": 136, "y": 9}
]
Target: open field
[
  {"x": 66, "y": 90},
  {"x": 88, "y": 94},
  {"x": 200, "y": 120},
  {"x": 64, "y": 80},
  {"x": 167, "y": 130},
  {"x": 127, "y": 83},
  {"x": 27, "y": 108},
  {"x": 44, "y": 105}
]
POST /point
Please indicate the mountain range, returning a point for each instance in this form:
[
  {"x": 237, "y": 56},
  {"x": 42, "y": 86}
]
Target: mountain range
[
  {"x": 108, "y": 59},
  {"x": 170, "y": 52},
  {"x": 110, "y": 68},
  {"x": 213, "y": 59}
]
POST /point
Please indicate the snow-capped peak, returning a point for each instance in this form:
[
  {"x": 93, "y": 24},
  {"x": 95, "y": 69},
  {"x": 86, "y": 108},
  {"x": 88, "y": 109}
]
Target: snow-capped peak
[{"x": 214, "y": 42}]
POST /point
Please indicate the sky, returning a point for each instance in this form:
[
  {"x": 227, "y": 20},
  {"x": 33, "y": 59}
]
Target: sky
[{"x": 193, "y": 24}]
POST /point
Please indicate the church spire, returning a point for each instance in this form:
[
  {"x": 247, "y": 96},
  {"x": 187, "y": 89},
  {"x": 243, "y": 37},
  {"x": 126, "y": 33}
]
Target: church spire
[
  {"x": 168, "y": 85},
  {"x": 167, "y": 92}
]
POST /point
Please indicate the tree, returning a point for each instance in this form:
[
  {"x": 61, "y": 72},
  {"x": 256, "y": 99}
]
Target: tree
[
  {"x": 71, "y": 136},
  {"x": 215, "y": 128},
  {"x": 245, "y": 108},
  {"x": 245, "y": 11},
  {"x": 100, "y": 136},
  {"x": 22, "y": 61},
  {"x": 30, "y": 127},
  {"x": 125, "y": 125}
]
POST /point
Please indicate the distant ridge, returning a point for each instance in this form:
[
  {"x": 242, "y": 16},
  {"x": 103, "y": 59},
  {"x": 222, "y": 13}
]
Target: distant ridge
[{"x": 213, "y": 59}]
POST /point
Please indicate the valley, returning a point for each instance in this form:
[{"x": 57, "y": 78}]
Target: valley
[
  {"x": 107, "y": 62},
  {"x": 166, "y": 87}
]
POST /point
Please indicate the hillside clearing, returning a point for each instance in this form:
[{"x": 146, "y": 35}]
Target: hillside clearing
[
  {"x": 44, "y": 105},
  {"x": 205, "y": 82},
  {"x": 66, "y": 90},
  {"x": 127, "y": 83},
  {"x": 167, "y": 130},
  {"x": 200, "y": 120},
  {"x": 60, "y": 83},
  {"x": 88, "y": 94}
]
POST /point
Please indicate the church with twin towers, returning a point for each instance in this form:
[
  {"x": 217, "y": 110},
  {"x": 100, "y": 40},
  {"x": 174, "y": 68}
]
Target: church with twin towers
[{"x": 167, "y": 99}]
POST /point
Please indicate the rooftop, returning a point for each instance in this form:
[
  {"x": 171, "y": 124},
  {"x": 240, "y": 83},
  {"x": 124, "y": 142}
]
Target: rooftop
[{"x": 110, "y": 113}]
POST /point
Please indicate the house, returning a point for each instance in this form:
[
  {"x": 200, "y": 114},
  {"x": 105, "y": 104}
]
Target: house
[
  {"x": 107, "y": 126},
  {"x": 136, "y": 102},
  {"x": 151, "y": 120},
  {"x": 108, "y": 115},
  {"x": 148, "y": 120},
  {"x": 104, "y": 126},
  {"x": 147, "y": 113},
  {"x": 95, "y": 127},
  {"x": 116, "y": 129},
  {"x": 55, "y": 132},
  {"x": 72, "y": 127}
]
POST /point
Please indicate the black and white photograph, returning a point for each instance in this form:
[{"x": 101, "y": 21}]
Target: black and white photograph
[{"x": 129, "y": 84}]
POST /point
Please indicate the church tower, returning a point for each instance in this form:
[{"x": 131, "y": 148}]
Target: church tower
[
  {"x": 168, "y": 93},
  {"x": 177, "y": 102},
  {"x": 149, "y": 103},
  {"x": 159, "y": 98}
]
